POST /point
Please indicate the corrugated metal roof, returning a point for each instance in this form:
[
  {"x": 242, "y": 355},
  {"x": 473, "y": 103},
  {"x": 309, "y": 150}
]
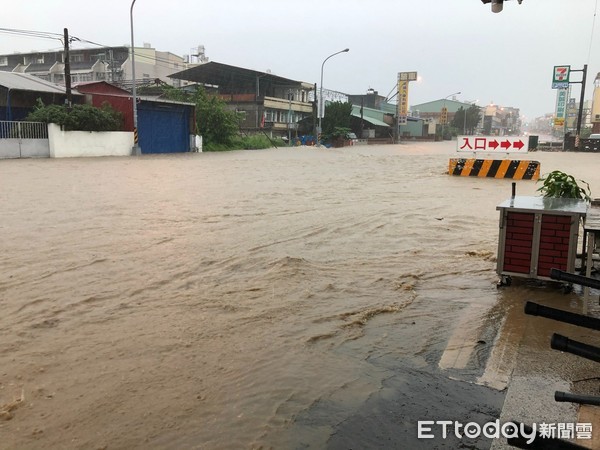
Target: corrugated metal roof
[
  {"x": 370, "y": 115},
  {"x": 26, "y": 82},
  {"x": 162, "y": 100},
  {"x": 435, "y": 106},
  {"x": 220, "y": 74}
]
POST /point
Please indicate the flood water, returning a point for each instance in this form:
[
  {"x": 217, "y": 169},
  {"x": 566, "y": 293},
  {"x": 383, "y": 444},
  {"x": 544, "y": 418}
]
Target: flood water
[{"x": 287, "y": 298}]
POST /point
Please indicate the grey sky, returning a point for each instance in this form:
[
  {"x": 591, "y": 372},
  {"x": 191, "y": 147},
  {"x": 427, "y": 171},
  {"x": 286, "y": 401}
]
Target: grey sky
[{"x": 454, "y": 45}]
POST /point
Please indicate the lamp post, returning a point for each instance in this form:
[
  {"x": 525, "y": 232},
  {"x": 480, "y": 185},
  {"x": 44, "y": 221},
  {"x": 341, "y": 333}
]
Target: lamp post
[
  {"x": 443, "y": 108},
  {"x": 136, "y": 150},
  {"x": 321, "y": 109},
  {"x": 290, "y": 118}
]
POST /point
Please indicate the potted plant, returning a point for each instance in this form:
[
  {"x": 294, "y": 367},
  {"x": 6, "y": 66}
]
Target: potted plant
[{"x": 561, "y": 185}]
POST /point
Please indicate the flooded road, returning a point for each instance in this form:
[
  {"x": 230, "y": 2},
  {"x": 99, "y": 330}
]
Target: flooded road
[{"x": 289, "y": 298}]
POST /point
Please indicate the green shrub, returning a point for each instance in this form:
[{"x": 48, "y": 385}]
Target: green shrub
[
  {"x": 255, "y": 142},
  {"x": 78, "y": 117}
]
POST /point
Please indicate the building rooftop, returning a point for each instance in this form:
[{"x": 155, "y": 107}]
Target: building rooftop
[
  {"x": 26, "y": 82},
  {"x": 219, "y": 74}
]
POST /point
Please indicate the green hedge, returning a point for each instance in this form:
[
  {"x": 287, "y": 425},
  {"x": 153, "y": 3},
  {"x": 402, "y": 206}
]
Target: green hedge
[{"x": 78, "y": 117}]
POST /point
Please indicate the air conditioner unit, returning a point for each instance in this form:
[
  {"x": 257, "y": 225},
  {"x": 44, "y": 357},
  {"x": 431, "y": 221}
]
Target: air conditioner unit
[{"x": 597, "y": 118}]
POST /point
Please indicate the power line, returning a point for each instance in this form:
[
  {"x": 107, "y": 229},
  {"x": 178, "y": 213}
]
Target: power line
[
  {"x": 30, "y": 33},
  {"x": 592, "y": 35}
]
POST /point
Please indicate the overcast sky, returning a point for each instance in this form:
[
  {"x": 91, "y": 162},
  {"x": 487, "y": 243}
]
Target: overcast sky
[{"x": 454, "y": 45}]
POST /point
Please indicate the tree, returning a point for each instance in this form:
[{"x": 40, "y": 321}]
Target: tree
[
  {"x": 214, "y": 121},
  {"x": 337, "y": 115},
  {"x": 466, "y": 125}
]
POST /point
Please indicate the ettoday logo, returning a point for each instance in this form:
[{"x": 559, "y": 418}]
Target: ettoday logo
[{"x": 429, "y": 429}]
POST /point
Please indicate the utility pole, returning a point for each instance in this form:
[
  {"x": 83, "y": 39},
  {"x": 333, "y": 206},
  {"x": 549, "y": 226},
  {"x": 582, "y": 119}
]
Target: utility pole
[
  {"x": 290, "y": 118},
  {"x": 581, "y": 100},
  {"x": 315, "y": 114},
  {"x": 67, "y": 69},
  {"x": 136, "y": 150},
  {"x": 112, "y": 66}
]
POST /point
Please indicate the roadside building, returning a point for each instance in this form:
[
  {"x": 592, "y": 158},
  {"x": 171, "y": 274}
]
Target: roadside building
[
  {"x": 164, "y": 126},
  {"x": 265, "y": 102},
  {"x": 19, "y": 94},
  {"x": 378, "y": 119},
  {"x": 372, "y": 123}
]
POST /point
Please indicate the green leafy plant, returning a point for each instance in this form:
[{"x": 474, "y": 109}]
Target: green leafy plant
[
  {"x": 78, "y": 117},
  {"x": 560, "y": 184}
]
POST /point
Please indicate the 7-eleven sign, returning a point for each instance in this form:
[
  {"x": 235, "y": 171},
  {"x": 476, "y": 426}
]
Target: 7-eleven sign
[{"x": 560, "y": 79}]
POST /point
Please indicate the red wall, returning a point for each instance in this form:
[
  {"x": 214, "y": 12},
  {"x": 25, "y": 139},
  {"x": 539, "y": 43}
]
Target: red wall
[
  {"x": 119, "y": 103},
  {"x": 119, "y": 99}
]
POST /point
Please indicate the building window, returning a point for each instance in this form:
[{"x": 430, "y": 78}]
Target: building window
[
  {"x": 33, "y": 59},
  {"x": 81, "y": 77},
  {"x": 3, "y": 61},
  {"x": 76, "y": 58}
]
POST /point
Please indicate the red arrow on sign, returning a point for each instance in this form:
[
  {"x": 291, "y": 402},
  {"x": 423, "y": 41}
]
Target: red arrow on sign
[
  {"x": 505, "y": 144},
  {"x": 518, "y": 145},
  {"x": 494, "y": 144}
]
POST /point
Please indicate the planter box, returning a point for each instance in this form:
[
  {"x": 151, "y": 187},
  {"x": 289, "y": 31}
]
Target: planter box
[{"x": 538, "y": 234}]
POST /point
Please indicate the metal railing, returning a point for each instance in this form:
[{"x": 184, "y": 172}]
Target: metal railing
[{"x": 23, "y": 130}]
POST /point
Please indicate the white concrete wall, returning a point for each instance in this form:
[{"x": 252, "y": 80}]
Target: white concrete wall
[{"x": 64, "y": 144}]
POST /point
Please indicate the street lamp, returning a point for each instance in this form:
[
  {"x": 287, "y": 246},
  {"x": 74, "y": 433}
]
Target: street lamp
[
  {"x": 136, "y": 150},
  {"x": 443, "y": 108},
  {"x": 321, "y": 109}
]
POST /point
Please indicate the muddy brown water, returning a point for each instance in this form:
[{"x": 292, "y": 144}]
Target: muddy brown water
[{"x": 285, "y": 298}]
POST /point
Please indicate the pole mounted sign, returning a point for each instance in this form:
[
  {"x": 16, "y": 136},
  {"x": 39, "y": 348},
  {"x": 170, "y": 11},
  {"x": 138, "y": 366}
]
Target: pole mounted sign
[
  {"x": 560, "y": 79},
  {"x": 403, "y": 79},
  {"x": 492, "y": 144},
  {"x": 561, "y": 108},
  {"x": 444, "y": 116}
]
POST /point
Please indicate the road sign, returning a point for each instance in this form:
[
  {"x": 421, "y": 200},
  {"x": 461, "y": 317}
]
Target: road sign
[
  {"x": 407, "y": 76},
  {"x": 492, "y": 144},
  {"x": 560, "y": 78},
  {"x": 402, "y": 108},
  {"x": 402, "y": 98},
  {"x": 444, "y": 116}
]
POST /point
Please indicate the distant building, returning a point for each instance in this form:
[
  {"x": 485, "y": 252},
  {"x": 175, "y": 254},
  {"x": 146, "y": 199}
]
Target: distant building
[
  {"x": 595, "y": 115},
  {"x": 433, "y": 110},
  {"x": 111, "y": 64}
]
